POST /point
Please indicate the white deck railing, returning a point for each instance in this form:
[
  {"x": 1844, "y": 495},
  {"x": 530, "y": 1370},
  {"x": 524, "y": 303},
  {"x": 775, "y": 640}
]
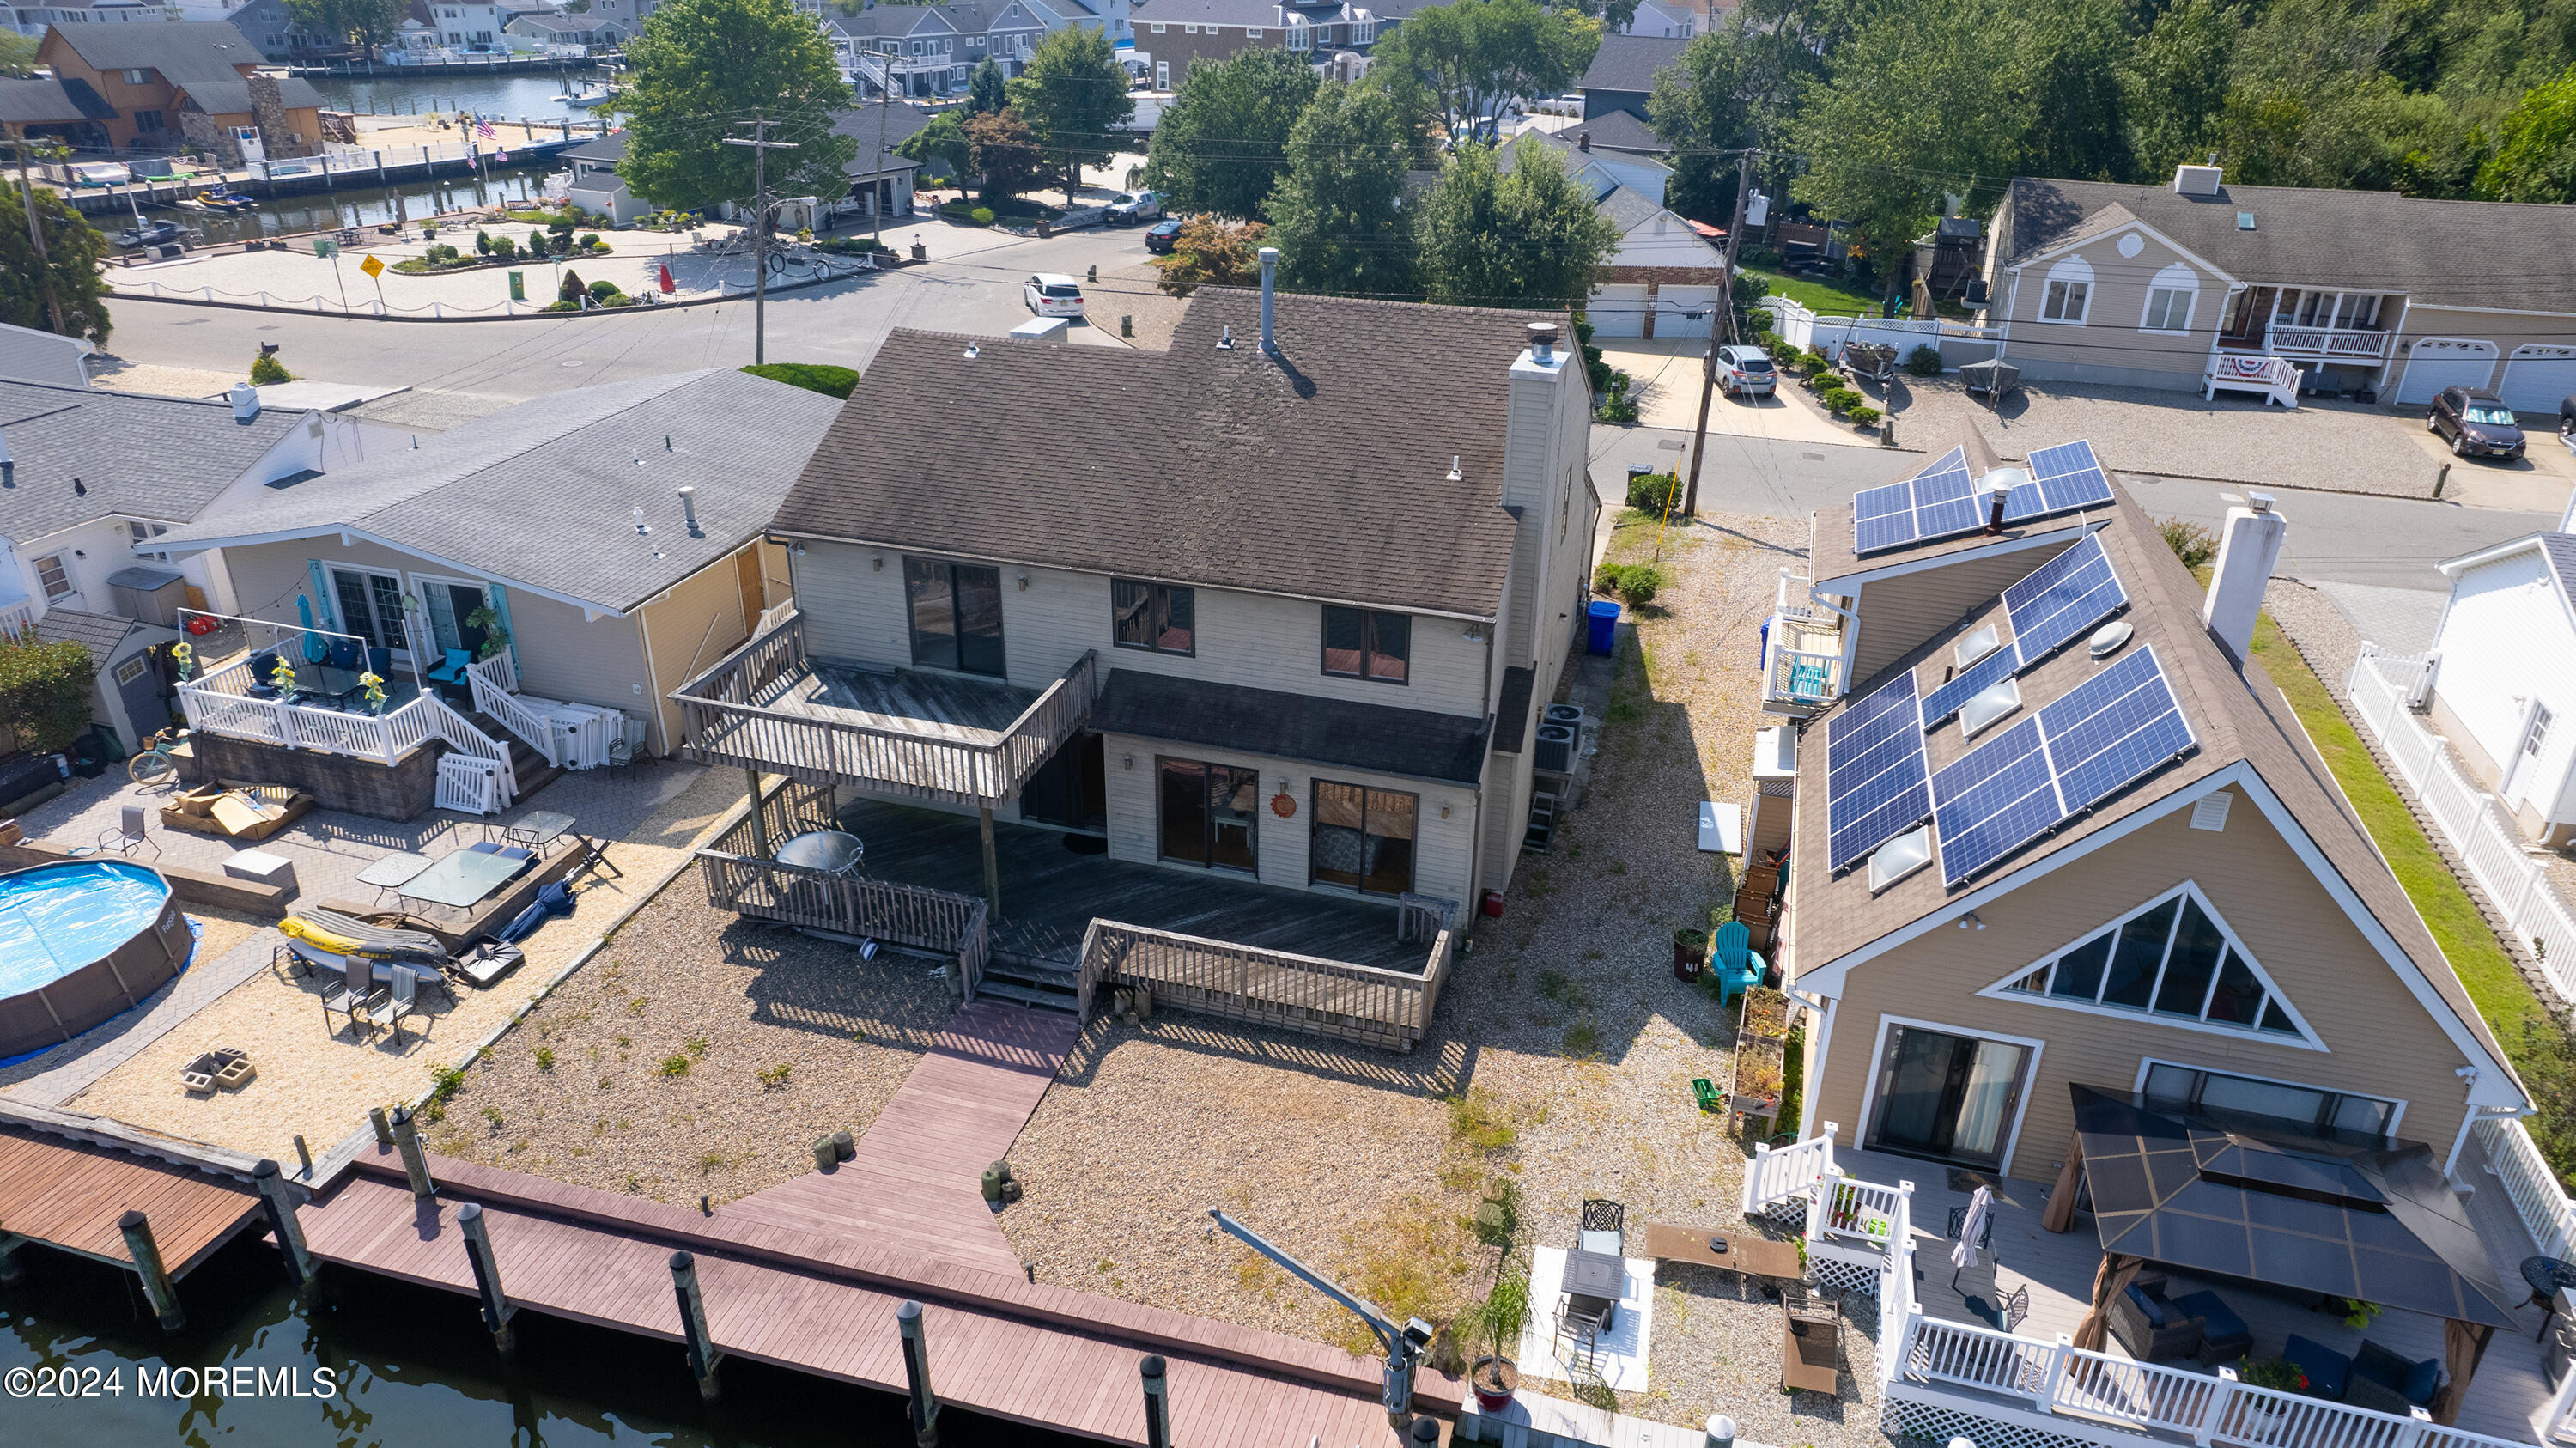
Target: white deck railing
[
  {"x": 219, "y": 704},
  {"x": 495, "y": 683},
  {"x": 1791, "y": 1171},
  {"x": 2346, "y": 344}
]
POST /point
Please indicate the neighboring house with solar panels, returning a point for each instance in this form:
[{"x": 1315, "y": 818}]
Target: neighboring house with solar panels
[
  {"x": 2360, "y": 291},
  {"x": 2500, "y": 680},
  {"x": 2060, "y": 832}
]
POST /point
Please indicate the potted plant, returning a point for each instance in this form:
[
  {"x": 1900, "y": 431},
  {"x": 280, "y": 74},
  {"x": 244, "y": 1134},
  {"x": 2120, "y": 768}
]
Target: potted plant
[
  {"x": 2278, "y": 1374},
  {"x": 1690, "y": 947},
  {"x": 1497, "y": 1323}
]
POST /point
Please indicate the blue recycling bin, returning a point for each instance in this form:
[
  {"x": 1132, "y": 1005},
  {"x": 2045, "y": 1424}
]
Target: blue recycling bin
[{"x": 1601, "y": 621}]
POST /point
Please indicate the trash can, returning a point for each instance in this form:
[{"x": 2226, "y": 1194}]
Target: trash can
[{"x": 1602, "y": 622}]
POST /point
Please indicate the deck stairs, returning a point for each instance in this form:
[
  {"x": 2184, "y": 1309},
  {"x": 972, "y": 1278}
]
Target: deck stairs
[
  {"x": 1024, "y": 980},
  {"x": 529, "y": 766}
]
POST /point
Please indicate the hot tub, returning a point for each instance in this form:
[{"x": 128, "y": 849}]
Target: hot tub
[{"x": 80, "y": 942}]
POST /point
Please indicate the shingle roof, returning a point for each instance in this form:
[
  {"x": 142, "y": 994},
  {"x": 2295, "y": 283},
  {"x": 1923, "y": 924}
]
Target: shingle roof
[
  {"x": 542, "y": 494},
  {"x": 2236, "y": 714},
  {"x": 232, "y": 97},
  {"x": 99, "y": 633},
  {"x": 892, "y": 20},
  {"x": 2368, "y": 240},
  {"x": 1629, "y": 209},
  {"x": 610, "y": 148},
  {"x": 1622, "y": 131},
  {"x": 1259, "y": 13},
  {"x": 142, "y": 456},
  {"x": 35, "y": 102},
  {"x": 860, "y": 123},
  {"x": 182, "y": 50},
  {"x": 1629, "y": 62},
  {"x": 1383, "y": 738},
  {"x": 1324, "y": 478}
]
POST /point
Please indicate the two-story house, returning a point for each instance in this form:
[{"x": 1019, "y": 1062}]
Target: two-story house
[
  {"x": 279, "y": 36},
  {"x": 919, "y": 46},
  {"x": 195, "y": 82},
  {"x": 1622, "y": 74},
  {"x": 1176, "y": 34},
  {"x": 34, "y": 17},
  {"x": 1278, "y": 649},
  {"x": 2362, "y": 291}
]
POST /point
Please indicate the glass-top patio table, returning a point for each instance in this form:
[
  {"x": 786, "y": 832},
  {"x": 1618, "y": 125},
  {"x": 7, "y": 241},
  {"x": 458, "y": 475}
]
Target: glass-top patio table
[{"x": 462, "y": 879}]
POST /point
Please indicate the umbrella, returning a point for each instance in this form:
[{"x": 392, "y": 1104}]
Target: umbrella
[
  {"x": 315, "y": 650},
  {"x": 1972, "y": 1228}
]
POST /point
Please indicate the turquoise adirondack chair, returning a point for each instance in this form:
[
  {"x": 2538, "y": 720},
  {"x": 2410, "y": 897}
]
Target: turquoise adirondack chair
[{"x": 1735, "y": 960}]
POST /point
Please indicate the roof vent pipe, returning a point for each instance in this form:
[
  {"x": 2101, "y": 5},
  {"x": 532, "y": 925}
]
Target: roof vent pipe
[
  {"x": 689, "y": 508},
  {"x": 1269, "y": 277},
  {"x": 1998, "y": 492},
  {"x": 245, "y": 401},
  {"x": 1583, "y": 141}
]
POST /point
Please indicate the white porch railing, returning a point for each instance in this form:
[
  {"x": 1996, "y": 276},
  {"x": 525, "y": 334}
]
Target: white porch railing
[
  {"x": 1792, "y": 1171},
  {"x": 216, "y": 704},
  {"x": 2529, "y": 1184},
  {"x": 2342, "y": 344},
  {"x": 495, "y": 682},
  {"x": 2473, "y": 821}
]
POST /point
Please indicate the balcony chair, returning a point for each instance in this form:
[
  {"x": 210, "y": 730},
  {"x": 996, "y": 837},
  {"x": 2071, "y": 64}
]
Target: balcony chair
[
  {"x": 1737, "y": 964},
  {"x": 403, "y": 999},
  {"x": 451, "y": 673},
  {"x": 2223, "y": 1335},
  {"x": 2384, "y": 1381},
  {"x": 346, "y": 653},
  {"x": 2151, "y": 1328},
  {"x": 354, "y": 995},
  {"x": 2329, "y": 1372},
  {"x": 130, "y": 831},
  {"x": 263, "y": 668}
]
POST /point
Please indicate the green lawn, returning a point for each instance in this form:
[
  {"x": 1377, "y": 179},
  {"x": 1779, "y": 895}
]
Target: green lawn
[
  {"x": 1817, "y": 296},
  {"x": 2493, "y": 982}
]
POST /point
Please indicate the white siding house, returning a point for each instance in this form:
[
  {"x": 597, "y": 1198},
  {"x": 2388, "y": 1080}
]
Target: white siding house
[{"x": 2504, "y": 677}]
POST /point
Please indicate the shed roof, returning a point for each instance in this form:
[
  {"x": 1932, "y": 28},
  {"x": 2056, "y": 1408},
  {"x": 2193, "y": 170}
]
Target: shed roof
[
  {"x": 1382, "y": 738},
  {"x": 99, "y": 633},
  {"x": 182, "y": 50}
]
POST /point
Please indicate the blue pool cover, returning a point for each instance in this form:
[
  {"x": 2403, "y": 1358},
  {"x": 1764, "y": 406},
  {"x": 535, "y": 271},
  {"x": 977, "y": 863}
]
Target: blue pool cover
[{"x": 56, "y": 919}]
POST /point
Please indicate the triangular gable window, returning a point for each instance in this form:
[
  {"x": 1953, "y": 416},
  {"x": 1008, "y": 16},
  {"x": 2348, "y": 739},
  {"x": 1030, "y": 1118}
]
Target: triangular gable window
[{"x": 2173, "y": 960}]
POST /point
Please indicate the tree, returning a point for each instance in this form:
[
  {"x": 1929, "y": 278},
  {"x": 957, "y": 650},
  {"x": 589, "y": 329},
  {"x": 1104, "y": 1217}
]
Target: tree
[
  {"x": 1073, "y": 91},
  {"x": 363, "y": 22},
  {"x": 17, "y": 55},
  {"x": 1222, "y": 143},
  {"x": 267, "y": 371},
  {"x": 1001, "y": 147},
  {"x": 943, "y": 140},
  {"x": 1211, "y": 252},
  {"x": 1338, "y": 214},
  {"x": 1474, "y": 56},
  {"x": 987, "y": 90},
  {"x": 2067, "y": 89},
  {"x": 44, "y": 693},
  {"x": 65, "y": 292},
  {"x": 2176, "y": 83},
  {"x": 1702, "y": 106},
  {"x": 2535, "y": 153},
  {"x": 703, "y": 70},
  {"x": 1529, "y": 237}
]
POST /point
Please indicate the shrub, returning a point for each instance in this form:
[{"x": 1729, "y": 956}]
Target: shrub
[
  {"x": 536, "y": 243},
  {"x": 1652, "y": 492},
  {"x": 482, "y": 243},
  {"x": 563, "y": 306},
  {"x": 504, "y": 248},
  {"x": 1638, "y": 584},
  {"x": 1619, "y": 404},
  {"x": 812, "y": 376},
  {"x": 573, "y": 287},
  {"x": 561, "y": 225},
  {"x": 773, "y": 1078},
  {"x": 1924, "y": 360},
  {"x": 1817, "y": 360},
  {"x": 1865, "y": 416},
  {"x": 675, "y": 1066},
  {"x": 266, "y": 370},
  {"x": 591, "y": 240},
  {"x": 1767, "y": 340},
  {"x": 981, "y": 216},
  {"x": 44, "y": 692},
  {"x": 545, "y": 1058},
  {"x": 2193, "y": 544},
  {"x": 1843, "y": 399},
  {"x": 603, "y": 289},
  {"x": 1827, "y": 381}
]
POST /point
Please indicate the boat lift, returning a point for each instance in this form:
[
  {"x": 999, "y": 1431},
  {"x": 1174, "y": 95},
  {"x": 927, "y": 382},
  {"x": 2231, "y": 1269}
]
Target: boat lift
[{"x": 1403, "y": 1345}]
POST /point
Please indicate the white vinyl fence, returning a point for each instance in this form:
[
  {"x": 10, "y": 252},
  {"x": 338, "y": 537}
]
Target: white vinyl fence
[{"x": 1801, "y": 326}]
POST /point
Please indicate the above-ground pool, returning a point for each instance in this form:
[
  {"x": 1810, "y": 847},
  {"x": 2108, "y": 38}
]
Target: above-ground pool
[{"x": 80, "y": 942}]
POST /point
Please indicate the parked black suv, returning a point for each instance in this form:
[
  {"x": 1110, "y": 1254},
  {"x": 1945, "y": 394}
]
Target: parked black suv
[{"x": 2477, "y": 422}]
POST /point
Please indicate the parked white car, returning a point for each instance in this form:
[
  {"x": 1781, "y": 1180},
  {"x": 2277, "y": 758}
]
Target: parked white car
[
  {"x": 1052, "y": 294},
  {"x": 1135, "y": 206}
]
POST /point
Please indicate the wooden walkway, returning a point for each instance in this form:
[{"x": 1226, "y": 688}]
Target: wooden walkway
[
  {"x": 997, "y": 1345},
  {"x": 917, "y": 1179},
  {"x": 68, "y": 1194}
]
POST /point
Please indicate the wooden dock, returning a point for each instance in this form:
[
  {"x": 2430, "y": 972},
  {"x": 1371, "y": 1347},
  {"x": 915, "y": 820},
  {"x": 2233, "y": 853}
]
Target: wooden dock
[{"x": 69, "y": 1194}]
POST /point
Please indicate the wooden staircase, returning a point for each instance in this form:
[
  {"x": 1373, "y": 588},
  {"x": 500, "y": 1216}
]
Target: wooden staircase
[
  {"x": 1028, "y": 981},
  {"x": 532, "y": 769}
]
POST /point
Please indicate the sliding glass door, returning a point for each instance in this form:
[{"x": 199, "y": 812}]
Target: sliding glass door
[
  {"x": 1363, "y": 838},
  {"x": 370, "y": 606},
  {"x": 956, "y": 615},
  {"x": 1209, "y": 814},
  {"x": 1947, "y": 1096}
]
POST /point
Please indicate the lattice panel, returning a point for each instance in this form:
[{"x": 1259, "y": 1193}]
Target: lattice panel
[
  {"x": 1847, "y": 1276},
  {"x": 1789, "y": 1213},
  {"x": 1922, "y": 1422}
]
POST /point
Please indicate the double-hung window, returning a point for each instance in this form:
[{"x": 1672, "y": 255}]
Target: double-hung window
[
  {"x": 2065, "y": 300},
  {"x": 2168, "y": 311},
  {"x": 1362, "y": 643},
  {"x": 1156, "y": 616},
  {"x": 1363, "y": 838},
  {"x": 956, "y": 615}
]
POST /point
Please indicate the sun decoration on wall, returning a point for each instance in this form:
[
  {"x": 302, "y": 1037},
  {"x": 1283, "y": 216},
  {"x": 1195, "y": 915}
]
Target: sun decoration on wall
[{"x": 1283, "y": 804}]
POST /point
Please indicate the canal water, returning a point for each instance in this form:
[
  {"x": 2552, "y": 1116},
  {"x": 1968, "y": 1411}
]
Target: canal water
[{"x": 382, "y": 1364}]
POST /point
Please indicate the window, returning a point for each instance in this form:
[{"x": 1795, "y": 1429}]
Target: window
[
  {"x": 145, "y": 532},
  {"x": 2539, "y": 730},
  {"x": 138, "y": 77},
  {"x": 1189, "y": 30},
  {"x": 2169, "y": 299},
  {"x": 1366, "y": 31},
  {"x": 2069, "y": 293},
  {"x": 2172, "y": 957},
  {"x": 1363, "y": 838},
  {"x": 2182, "y": 1088},
  {"x": 956, "y": 615},
  {"x": 1364, "y": 644},
  {"x": 1210, "y": 813},
  {"x": 1299, "y": 36},
  {"x": 1154, "y": 616},
  {"x": 56, "y": 578},
  {"x": 370, "y": 606},
  {"x": 1158, "y": 27},
  {"x": 1252, "y": 32},
  {"x": 147, "y": 122},
  {"x": 132, "y": 669}
]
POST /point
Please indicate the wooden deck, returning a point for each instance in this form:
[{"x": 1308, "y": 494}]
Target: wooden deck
[
  {"x": 825, "y": 1304},
  {"x": 1050, "y": 895},
  {"x": 917, "y": 1179},
  {"x": 69, "y": 1194},
  {"x": 947, "y": 706}
]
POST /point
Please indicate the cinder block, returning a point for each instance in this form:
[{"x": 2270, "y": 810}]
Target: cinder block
[{"x": 263, "y": 867}]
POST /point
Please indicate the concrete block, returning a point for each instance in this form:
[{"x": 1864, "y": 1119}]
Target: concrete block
[{"x": 261, "y": 866}]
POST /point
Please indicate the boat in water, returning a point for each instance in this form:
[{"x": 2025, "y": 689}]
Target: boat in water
[
  {"x": 151, "y": 233},
  {"x": 220, "y": 198},
  {"x": 584, "y": 97}
]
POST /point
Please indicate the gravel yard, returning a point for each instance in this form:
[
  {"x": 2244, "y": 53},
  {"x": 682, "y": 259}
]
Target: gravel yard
[
  {"x": 2340, "y": 447},
  {"x": 696, "y": 1054},
  {"x": 1561, "y": 1060}
]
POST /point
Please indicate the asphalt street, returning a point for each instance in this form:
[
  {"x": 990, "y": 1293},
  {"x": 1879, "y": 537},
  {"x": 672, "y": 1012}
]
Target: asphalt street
[{"x": 457, "y": 371}]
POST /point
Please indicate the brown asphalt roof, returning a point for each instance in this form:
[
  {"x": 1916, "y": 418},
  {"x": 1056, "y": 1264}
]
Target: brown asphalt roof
[
  {"x": 2234, "y": 714},
  {"x": 1322, "y": 475}
]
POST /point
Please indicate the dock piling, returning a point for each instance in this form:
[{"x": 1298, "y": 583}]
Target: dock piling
[
  {"x": 280, "y": 1203},
  {"x": 487, "y": 1278},
  {"x": 384, "y": 1129},
  {"x": 147, "y": 1265},
  {"x": 1158, "y": 1402},
  {"x": 12, "y": 1271},
  {"x": 304, "y": 1154},
  {"x": 916, "y": 1373},
  {"x": 703, "y": 1353},
  {"x": 415, "y": 1161}
]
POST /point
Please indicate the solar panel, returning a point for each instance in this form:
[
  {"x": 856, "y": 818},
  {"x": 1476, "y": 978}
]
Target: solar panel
[
  {"x": 1882, "y": 517},
  {"x": 2069, "y": 477},
  {"x": 2062, "y": 598},
  {"x": 1996, "y": 799},
  {"x": 1939, "y": 500},
  {"x": 1943, "y": 702},
  {"x": 1875, "y": 772},
  {"x": 2113, "y": 729}
]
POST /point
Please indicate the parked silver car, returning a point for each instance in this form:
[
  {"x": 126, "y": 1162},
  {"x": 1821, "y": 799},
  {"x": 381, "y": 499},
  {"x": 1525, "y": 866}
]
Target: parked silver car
[{"x": 1746, "y": 370}]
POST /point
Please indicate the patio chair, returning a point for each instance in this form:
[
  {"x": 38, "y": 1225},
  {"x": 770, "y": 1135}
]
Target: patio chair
[
  {"x": 1735, "y": 960},
  {"x": 263, "y": 669},
  {"x": 401, "y": 1000},
  {"x": 2223, "y": 1335},
  {"x": 2151, "y": 1328},
  {"x": 347, "y": 653},
  {"x": 355, "y": 994},
  {"x": 2329, "y": 1372},
  {"x": 451, "y": 672},
  {"x": 2384, "y": 1381},
  {"x": 1598, "y": 1229},
  {"x": 130, "y": 831}
]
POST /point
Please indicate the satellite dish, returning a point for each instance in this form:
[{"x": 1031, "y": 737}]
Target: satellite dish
[{"x": 2107, "y": 639}]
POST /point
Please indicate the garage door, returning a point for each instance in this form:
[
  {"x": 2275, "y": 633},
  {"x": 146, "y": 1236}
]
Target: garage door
[
  {"x": 1618, "y": 310},
  {"x": 1672, "y": 302},
  {"x": 2538, "y": 377},
  {"x": 2433, "y": 363}
]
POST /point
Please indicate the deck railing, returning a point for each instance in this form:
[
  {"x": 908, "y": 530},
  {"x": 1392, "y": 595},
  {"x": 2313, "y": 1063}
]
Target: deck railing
[
  {"x": 727, "y": 724},
  {"x": 1792, "y": 1171},
  {"x": 2349, "y": 344},
  {"x": 219, "y": 703},
  {"x": 495, "y": 683},
  {"x": 1367, "y": 1004}
]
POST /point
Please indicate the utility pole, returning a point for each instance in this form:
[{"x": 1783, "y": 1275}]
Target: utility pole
[
  {"x": 879, "y": 192},
  {"x": 1726, "y": 308},
  {"x": 36, "y": 232},
  {"x": 761, "y": 146}
]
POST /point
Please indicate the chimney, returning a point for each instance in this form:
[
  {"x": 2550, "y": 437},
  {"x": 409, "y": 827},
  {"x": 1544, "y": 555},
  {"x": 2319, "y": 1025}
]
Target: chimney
[
  {"x": 245, "y": 401},
  {"x": 1583, "y": 141},
  {"x": 1269, "y": 275},
  {"x": 1542, "y": 337},
  {"x": 1999, "y": 483},
  {"x": 2196, "y": 180},
  {"x": 2249, "y": 543},
  {"x": 689, "y": 508}
]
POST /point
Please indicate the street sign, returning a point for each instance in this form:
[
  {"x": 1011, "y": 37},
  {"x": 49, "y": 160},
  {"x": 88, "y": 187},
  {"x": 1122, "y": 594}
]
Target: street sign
[
  {"x": 518, "y": 286},
  {"x": 371, "y": 266},
  {"x": 324, "y": 246}
]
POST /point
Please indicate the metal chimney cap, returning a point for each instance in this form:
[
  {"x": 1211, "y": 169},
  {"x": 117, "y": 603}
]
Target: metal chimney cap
[
  {"x": 2259, "y": 502},
  {"x": 1542, "y": 334}
]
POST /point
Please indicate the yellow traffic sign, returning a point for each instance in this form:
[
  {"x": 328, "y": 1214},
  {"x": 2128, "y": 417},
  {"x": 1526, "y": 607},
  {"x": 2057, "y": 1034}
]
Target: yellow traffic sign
[{"x": 371, "y": 266}]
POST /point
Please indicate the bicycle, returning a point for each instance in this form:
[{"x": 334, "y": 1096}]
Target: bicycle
[{"x": 153, "y": 764}]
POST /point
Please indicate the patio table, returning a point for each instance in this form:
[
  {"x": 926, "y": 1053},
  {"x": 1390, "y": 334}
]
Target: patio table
[
  {"x": 461, "y": 879},
  {"x": 1744, "y": 1254},
  {"x": 326, "y": 682},
  {"x": 2545, "y": 1276},
  {"x": 393, "y": 871},
  {"x": 1594, "y": 1280},
  {"x": 537, "y": 829}
]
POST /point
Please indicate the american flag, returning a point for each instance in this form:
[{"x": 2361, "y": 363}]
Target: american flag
[{"x": 483, "y": 128}]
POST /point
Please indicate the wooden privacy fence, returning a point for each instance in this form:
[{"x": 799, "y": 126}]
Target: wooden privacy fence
[
  {"x": 728, "y": 724},
  {"x": 1362, "y": 1003},
  {"x": 743, "y": 881}
]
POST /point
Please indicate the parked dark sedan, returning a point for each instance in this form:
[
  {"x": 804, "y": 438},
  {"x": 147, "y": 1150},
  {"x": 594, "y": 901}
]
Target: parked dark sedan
[
  {"x": 2477, "y": 422},
  {"x": 1163, "y": 235}
]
